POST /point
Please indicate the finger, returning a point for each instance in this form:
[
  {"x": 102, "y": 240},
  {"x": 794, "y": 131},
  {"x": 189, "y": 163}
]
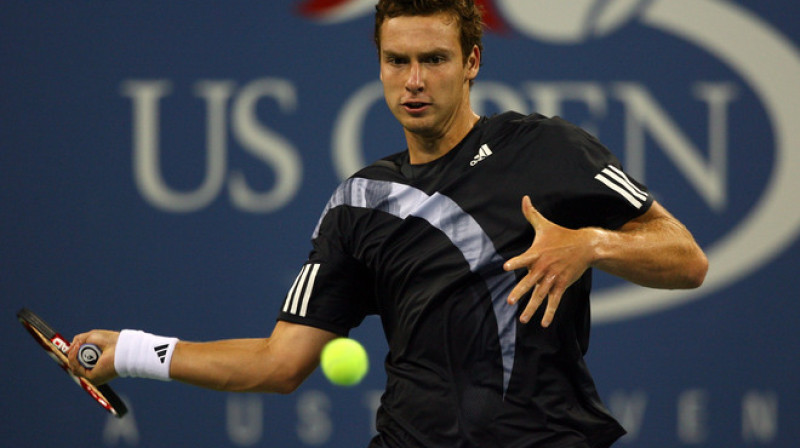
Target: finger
[
  {"x": 77, "y": 341},
  {"x": 553, "y": 300},
  {"x": 539, "y": 294},
  {"x": 74, "y": 365},
  {"x": 533, "y": 216},
  {"x": 523, "y": 286},
  {"x": 72, "y": 354},
  {"x": 529, "y": 211},
  {"x": 528, "y": 258}
]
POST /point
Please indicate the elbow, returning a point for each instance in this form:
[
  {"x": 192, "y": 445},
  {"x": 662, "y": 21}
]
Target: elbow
[
  {"x": 279, "y": 372},
  {"x": 283, "y": 381},
  {"x": 280, "y": 389},
  {"x": 272, "y": 385},
  {"x": 688, "y": 272},
  {"x": 286, "y": 385},
  {"x": 701, "y": 275},
  {"x": 696, "y": 273}
]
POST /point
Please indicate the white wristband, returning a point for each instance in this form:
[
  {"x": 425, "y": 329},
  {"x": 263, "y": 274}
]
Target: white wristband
[{"x": 143, "y": 355}]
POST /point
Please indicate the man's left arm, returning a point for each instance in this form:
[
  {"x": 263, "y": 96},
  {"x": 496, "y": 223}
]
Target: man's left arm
[{"x": 653, "y": 250}]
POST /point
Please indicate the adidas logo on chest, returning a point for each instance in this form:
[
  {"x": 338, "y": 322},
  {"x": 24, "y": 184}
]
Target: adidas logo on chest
[{"x": 483, "y": 152}]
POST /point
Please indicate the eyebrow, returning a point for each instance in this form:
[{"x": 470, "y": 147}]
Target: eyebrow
[{"x": 425, "y": 54}]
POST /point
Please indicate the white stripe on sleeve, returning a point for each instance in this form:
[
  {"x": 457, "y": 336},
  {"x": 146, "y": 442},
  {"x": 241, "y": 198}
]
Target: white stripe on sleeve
[
  {"x": 622, "y": 192},
  {"x": 290, "y": 295},
  {"x": 309, "y": 288},
  {"x": 626, "y": 183},
  {"x": 300, "y": 293}
]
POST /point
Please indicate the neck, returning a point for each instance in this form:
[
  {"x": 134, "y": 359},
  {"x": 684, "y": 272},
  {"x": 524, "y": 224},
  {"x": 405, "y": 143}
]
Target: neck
[{"x": 427, "y": 148}]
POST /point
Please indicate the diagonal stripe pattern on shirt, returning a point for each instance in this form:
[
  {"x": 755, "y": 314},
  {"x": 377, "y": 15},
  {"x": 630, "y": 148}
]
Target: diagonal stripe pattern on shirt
[{"x": 463, "y": 231}]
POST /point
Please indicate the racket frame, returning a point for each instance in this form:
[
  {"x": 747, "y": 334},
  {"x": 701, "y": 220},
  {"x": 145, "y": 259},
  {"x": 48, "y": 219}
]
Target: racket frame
[{"x": 57, "y": 347}]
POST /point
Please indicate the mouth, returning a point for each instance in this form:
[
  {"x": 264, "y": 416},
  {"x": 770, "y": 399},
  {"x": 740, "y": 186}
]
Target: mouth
[{"x": 415, "y": 106}]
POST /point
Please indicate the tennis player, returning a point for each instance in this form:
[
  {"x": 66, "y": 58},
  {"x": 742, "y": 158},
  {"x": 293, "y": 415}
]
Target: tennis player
[{"x": 485, "y": 307}]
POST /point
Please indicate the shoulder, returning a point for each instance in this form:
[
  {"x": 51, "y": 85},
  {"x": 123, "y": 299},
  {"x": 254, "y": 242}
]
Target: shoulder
[
  {"x": 386, "y": 168},
  {"x": 536, "y": 126},
  {"x": 563, "y": 139},
  {"x": 510, "y": 122},
  {"x": 550, "y": 127},
  {"x": 542, "y": 136},
  {"x": 560, "y": 129}
]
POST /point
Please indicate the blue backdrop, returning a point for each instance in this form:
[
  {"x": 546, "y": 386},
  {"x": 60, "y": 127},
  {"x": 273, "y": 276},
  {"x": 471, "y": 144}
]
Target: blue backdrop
[{"x": 163, "y": 165}]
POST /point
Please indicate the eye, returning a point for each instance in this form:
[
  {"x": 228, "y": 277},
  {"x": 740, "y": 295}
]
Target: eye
[
  {"x": 435, "y": 59},
  {"x": 396, "y": 60}
]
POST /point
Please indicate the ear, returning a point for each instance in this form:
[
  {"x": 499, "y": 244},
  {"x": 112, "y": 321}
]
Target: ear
[{"x": 473, "y": 63}]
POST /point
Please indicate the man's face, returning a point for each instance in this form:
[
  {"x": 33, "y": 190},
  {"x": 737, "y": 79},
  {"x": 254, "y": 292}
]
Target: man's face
[{"x": 425, "y": 78}]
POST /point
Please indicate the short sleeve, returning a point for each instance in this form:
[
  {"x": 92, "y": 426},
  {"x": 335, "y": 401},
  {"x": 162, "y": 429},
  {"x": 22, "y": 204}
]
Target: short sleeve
[
  {"x": 584, "y": 183},
  {"x": 333, "y": 289}
]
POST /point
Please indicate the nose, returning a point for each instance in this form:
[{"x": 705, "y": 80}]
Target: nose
[{"x": 414, "y": 82}]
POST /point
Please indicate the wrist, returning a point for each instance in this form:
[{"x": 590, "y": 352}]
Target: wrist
[
  {"x": 598, "y": 239},
  {"x": 143, "y": 355}
]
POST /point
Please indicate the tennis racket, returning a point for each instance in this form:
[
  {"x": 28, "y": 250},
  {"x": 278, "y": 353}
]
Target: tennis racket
[{"x": 57, "y": 347}]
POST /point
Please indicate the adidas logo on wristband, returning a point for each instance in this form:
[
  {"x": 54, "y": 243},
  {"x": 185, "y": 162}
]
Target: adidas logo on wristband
[{"x": 161, "y": 351}]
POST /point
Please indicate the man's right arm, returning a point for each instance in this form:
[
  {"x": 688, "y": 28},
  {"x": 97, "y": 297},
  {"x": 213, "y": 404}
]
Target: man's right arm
[{"x": 277, "y": 364}]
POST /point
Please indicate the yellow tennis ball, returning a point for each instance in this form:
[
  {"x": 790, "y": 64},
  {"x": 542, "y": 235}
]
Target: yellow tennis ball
[{"x": 344, "y": 361}]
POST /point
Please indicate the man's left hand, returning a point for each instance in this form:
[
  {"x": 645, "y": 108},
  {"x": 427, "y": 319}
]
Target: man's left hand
[{"x": 556, "y": 259}]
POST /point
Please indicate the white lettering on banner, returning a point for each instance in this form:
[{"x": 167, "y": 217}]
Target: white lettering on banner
[
  {"x": 261, "y": 142},
  {"x": 317, "y": 413},
  {"x": 629, "y": 409},
  {"x": 244, "y": 419},
  {"x": 267, "y": 145},
  {"x": 693, "y": 416},
  {"x": 314, "y": 425},
  {"x": 759, "y": 416},
  {"x": 644, "y": 113},
  {"x": 548, "y": 98},
  {"x": 348, "y": 152}
]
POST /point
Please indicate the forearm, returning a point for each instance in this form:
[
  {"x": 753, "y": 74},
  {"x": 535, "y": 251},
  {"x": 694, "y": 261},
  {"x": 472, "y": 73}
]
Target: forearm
[
  {"x": 656, "y": 251},
  {"x": 236, "y": 365}
]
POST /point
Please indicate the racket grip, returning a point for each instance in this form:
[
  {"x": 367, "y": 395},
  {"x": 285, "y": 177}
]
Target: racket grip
[{"x": 88, "y": 354}]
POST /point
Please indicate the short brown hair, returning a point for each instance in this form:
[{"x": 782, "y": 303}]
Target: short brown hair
[{"x": 468, "y": 14}]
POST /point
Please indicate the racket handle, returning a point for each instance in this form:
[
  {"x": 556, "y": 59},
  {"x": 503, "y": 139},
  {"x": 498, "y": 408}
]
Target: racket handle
[{"x": 88, "y": 354}]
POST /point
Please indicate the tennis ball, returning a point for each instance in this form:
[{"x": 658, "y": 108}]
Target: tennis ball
[{"x": 344, "y": 361}]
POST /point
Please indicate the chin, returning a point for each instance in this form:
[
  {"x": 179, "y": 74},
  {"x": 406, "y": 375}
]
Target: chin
[{"x": 418, "y": 125}]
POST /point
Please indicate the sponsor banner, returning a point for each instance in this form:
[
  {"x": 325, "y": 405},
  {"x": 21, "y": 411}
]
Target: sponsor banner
[{"x": 164, "y": 165}]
